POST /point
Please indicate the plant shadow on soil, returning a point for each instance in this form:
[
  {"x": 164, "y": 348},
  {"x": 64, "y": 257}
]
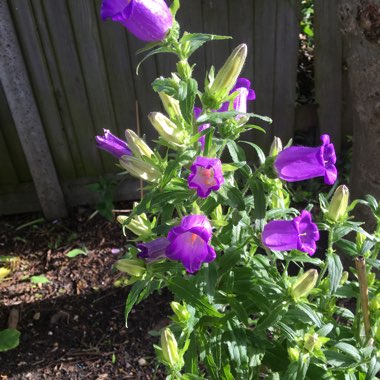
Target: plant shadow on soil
[
  {"x": 73, "y": 326},
  {"x": 81, "y": 336}
]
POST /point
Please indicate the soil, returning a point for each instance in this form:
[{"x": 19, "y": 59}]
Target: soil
[{"x": 73, "y": 326}]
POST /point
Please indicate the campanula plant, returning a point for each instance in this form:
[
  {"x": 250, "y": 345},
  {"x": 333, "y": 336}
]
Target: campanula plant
[{"x": 257, "y": 291}]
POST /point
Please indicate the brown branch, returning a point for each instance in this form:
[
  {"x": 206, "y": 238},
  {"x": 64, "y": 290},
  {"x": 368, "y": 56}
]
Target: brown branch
[{"x": 363, "y": 285}]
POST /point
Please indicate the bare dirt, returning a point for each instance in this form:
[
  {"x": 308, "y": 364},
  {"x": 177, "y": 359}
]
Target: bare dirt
[{"x": 73, "y": 326}]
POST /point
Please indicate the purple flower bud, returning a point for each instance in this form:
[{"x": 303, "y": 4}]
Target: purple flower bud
[
  {"x": 206, "y": 175},
  {"x": 153, "y": 250},
  {"x": 245, "y": 93},
  {"x": 148, "y": 20},
  {"x": 202, "y": 127},
  {"x": 113, "y": 144},
  {"x": 190, "y": 242},
  {"x": 298, "y": 163},
  {"x": 284, "y": 235}
]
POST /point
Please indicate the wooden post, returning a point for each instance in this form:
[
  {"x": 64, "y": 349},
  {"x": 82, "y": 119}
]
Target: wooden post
[
  {"x": 328, "y": 70},
  {"x": 19, "y": 94}
]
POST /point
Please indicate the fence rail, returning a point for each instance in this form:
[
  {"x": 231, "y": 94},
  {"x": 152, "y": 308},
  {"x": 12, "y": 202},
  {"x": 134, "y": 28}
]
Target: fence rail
[{"x": 81, "y": 72}]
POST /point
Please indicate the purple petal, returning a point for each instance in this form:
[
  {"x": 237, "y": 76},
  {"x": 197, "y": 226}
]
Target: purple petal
[
  {"x": 190, "y": 249},
  {"x": 148, "y": 20},
  {"x": 198, "y": 222},
  {"x": 111, "y": 8},
  {"x": 197, "y": 112},
  {"x": 113, "y": 144},
  {"x": 242, "y": 82},
  {"x": 153, "y": 250},
  {"x": 280, "y": 235},
  {"x": 331, "y": 174},
  {"x": 206, "y": 175},
  {"x": 308, "y": 233},
  {"x": 251, "y": 95},
  {"x": 298, "y": 163}
]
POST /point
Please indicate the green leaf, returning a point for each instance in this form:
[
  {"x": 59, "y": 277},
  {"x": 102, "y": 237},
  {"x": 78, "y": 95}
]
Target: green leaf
[
  {"x": 198, "y": 39},
  {"x": 186, "y": 291},
  {"x": 258, "y": 192},
  {"x": 236, "y": 152},
  {"x": 335, "y": 269},
  {"x": 9, "y": 339},
  {"x": 236, "y": 341},
  {"x": 349, "y": 350},
  {"x": 76, "y": 252},
  {"x": 228, "y": 260},
  {"x": 132, "y": 298},
  {"x": 232, "y": 197},
  {"x": 301, "y": 257},
  {"x": 161, "y": 49},
  {"x": 336, "y": 359},
  {"x": 187, "y": 100},
  {"x": 258, "y": 150},
  {"x": 310, "y": 313},
  {"x": 373, "y": 368},
  {"x": 39, "y": 280},
  {"x": 232, "y": 166},
  {"x": 347, "y": 247}
]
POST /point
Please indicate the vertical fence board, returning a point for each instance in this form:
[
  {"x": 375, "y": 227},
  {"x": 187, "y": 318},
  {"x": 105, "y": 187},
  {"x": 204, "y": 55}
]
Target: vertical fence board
[
  {"x": 148, "y": 101},
  {"x": 190, "y": 18},
  {"x": 43, "y": 90},
  {"x": 285, "y": 68},
  {"x": 14, "y": 148},
  {"x": 94, "y": 71},
  {"x": 264, "y": 61},
  {"x": 8, "y": 174},
  {"x": 215, "y": 21},
  {"x": 63, "y": 41},
  {"x": 15, "y": 81},
  {"x": 328, "y": 69},
  {"x": 120, "y": 74},
  {"x": 57, "y": 87}
]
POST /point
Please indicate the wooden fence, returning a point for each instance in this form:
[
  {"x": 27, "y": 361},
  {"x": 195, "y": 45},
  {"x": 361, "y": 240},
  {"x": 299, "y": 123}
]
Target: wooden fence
[{"x": 81, "y": 75}]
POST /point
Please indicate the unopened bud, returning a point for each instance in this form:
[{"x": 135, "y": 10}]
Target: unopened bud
[
  {"x": 137, "y": 145},
  {"x": 171, "y": 105},
  {"x": 121, "y": 219},
  {"x": 167, "y": 129},
  {"x": 140, "y": 226},
  {"x": 304, "y": 284},
  {"x": 141, "y": 169},
  {"x": 344, "y": 278},
  {"x": 169, "y": 348},
  {"x": 184, "y": 69},
  {"x": 339, "y": 203},
  {"x": 226, "y": 78},
  {"x": 311, "y": 342},
  {"x": 133, "y": 267},
  {"x": 360, "y": 239},
  {"x": 294, "y": 354},
  {"x": 180, "y": 311},
  {"x": 276, "y": 147}
]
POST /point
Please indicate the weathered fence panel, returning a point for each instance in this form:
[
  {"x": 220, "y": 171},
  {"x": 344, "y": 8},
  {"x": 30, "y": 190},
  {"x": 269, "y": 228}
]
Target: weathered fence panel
[{"x": 82, "y": 72}]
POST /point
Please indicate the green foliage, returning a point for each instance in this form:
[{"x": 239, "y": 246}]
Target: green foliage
[
  {"x": 9, "y": 339},
  {"x": 252, "y": 313}
]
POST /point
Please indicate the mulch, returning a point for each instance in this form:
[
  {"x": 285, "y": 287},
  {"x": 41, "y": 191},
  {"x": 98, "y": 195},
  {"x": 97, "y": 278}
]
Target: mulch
[{"x": 73, "y": 326}]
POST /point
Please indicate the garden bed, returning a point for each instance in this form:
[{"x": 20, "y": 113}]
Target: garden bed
[{"x": 73, "y": 326}]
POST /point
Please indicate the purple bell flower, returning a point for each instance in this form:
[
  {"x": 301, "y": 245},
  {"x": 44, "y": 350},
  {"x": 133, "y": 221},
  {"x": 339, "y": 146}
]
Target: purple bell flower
[
  {"x": 284, "y": 235},
  {"x": 206, "y": 175},
  {"x": 153, "y": 250},
  {"x": 112, "y": 144},
  {"x": 148, "y": 20},
  {"x": 202, "y": 127},
  {"x": 190, "y": 242},
  {"x": 245, "y": 93},
  {"x": 298, "y": 163}
]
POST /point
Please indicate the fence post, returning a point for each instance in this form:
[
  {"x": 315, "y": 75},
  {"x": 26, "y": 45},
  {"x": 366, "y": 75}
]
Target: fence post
[
  {"x": 328, "y": 69},
  {"x": 19, "y": 94}
]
